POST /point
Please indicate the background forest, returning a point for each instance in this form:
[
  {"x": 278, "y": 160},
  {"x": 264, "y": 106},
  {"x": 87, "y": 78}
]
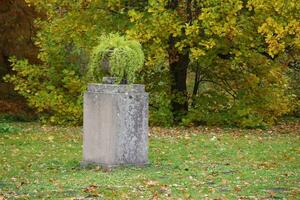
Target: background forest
[{"x": 231, "y": 62}]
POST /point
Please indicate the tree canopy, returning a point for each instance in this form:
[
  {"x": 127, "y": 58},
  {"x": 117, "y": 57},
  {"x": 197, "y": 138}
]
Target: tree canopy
[
  {"x": 16, "y": 32},
  {"x": 211, "y": 62}
]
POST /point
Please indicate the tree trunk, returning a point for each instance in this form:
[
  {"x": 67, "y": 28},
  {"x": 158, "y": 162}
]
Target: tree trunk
[
  {"x": 178, "y": 72},
  {"x": 178, "y": 62},
  {"x": 196, "y": 86}
]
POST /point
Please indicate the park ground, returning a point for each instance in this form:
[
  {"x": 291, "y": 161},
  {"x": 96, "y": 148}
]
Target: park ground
[{"x": 43, "y": 162}]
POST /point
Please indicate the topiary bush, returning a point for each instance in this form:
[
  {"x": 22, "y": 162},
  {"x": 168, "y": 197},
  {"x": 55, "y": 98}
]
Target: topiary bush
[{"x": 116, "y": 56}]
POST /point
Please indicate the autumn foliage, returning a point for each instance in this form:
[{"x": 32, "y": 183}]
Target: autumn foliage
[
  {"x": 207, "y": 62},
  {"x": 17, "y": 32}
]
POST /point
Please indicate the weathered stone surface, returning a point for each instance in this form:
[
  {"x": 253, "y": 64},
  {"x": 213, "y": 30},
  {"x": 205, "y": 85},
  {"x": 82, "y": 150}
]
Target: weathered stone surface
[
  {"x": 112, "y": 88},
  {"x": 109, "y": 80},
  {"x": 115, "y": 125}
]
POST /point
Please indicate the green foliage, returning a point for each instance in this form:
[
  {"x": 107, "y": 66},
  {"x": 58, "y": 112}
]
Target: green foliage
[
  {"x": 56, "y": 96},
  {"x": 6, "y": 128},
  {"x": 124, "y": 57},
  {"x": 255, "y": 95},
  {"x": 294, "y": 90},
  {"x": 158, "y": 84},
  {"x": 54, "y": 87},
  {"x": 233, "y": 45},
  {"x": 20, "y": 117},
  {"x": 160, "y": 110},
  {"x": 240, "y": 54},
  {"x": 210, "y": 108}
]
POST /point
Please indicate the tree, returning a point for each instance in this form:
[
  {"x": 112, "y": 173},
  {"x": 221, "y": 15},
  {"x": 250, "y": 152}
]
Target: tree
[
  {"x": 54, "y": 87},
  {"x": 237, "y": 54},
  {"x": 232, "y": 46},
  {"x": 16, "y": 33}
]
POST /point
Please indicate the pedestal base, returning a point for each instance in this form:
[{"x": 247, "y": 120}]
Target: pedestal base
[{"x": 115, "y": 125}]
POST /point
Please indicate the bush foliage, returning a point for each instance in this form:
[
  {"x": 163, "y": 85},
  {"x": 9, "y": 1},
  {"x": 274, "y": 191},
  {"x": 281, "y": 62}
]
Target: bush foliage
[
  {"x": 124, "y": 57},
  {"x": 232, "y": 62},
  {"x": 56, "y": 96}
]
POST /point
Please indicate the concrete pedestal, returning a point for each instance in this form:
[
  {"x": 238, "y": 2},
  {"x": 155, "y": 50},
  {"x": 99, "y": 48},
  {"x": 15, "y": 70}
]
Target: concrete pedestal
[{"x": 115, "y": 125}]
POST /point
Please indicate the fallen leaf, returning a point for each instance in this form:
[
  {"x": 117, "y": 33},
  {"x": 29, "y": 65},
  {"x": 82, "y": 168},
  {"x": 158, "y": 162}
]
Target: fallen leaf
[
  {"x": 237, "y": 188},
  {"x": 163, "y": 189},
  {"x": 90, "y": 188},
  {"x": 155, "y": 196},
  {"x": 50, "y": 138},
  {"x": 224, "y": 182},
  {"x": 151, "y": 183}
]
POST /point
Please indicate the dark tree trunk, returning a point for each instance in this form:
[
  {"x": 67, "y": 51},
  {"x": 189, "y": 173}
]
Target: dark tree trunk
[
  {"x": 196, "y": 86},
  {"x": 178, "y": 62},
  {"x": 178, "y": 71}
]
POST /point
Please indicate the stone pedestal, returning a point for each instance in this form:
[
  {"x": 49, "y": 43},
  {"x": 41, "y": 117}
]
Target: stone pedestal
[{"x": 115, "y": 125}]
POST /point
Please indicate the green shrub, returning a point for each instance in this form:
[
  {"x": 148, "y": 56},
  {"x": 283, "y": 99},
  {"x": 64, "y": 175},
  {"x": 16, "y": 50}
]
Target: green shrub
[
  {"x": 252, "y": 107},
  {"x": 124, "y": 57},
  {"x": 160, "y": 109},
  {"x": 54, "y": 91},
  {"x": 19, "y": 117},
  {"x": 294, "y": 89},
  {"x": 211, "y": 108},
  {"x": 55, "y": 87}
]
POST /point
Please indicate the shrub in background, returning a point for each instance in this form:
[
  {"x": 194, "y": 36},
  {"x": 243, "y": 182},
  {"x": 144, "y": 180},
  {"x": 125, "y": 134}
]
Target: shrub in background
[
  {"x": 294, "y": 89},
  {"x": 56, "y": 96}
]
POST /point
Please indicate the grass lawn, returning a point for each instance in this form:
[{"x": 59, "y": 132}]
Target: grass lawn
[{"x": 38, "y": 162}]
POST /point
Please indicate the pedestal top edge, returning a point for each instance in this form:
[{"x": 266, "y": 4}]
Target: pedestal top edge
[{"x": 115, "y": 88}]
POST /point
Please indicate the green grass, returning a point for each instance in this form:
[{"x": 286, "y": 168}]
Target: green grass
[
  {"x": 38, "y": 162},
  {"x": 6, "y": 128}
]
